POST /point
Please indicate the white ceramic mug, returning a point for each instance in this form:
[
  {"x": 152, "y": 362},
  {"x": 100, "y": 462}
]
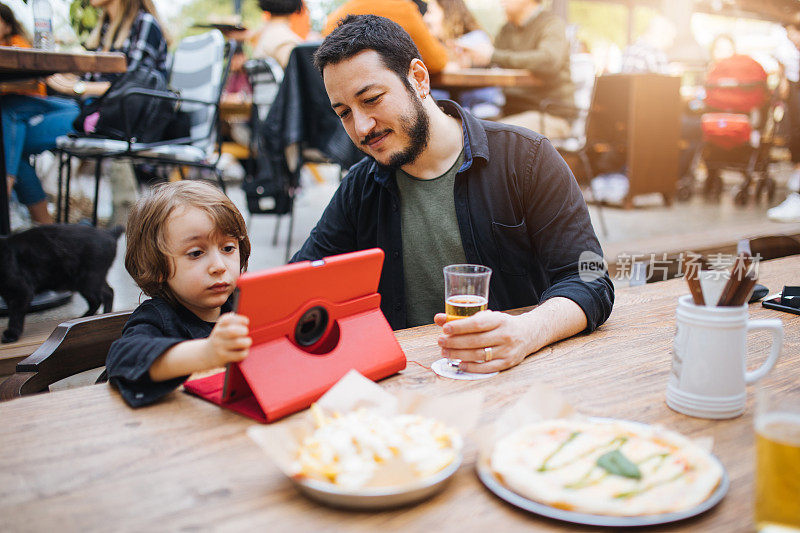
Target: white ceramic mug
[{"x": 709, "y": 370}]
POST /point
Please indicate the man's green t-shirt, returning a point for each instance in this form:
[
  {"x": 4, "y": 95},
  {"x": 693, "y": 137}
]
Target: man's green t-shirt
[{"x": 431, "y": 240}]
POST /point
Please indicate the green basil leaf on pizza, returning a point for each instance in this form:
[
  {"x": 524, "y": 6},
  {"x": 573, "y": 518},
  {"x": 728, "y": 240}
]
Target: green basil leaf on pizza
[{"x": 614, "y": 462}]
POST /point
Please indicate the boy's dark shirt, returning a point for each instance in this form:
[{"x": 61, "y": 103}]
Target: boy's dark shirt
[
  {"x": 519, "y": 210},
  {"x": 153, "y": 328}
]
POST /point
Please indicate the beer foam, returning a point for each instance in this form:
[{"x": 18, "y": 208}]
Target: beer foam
[{"x": 781, "y": 426}]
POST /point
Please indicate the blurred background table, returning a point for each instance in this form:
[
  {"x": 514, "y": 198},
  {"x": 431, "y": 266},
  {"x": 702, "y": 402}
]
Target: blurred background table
[
  {"x": 82, "y": 458},
  {"x": 471, "y": 78},
  {"x": 25, "y": 63}
]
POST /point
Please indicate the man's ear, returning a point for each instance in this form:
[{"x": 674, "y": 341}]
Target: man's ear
[{"x": 419, "y": 77}]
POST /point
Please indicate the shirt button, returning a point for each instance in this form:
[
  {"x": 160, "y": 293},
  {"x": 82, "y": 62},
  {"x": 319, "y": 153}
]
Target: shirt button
[{"x": 396, "y": 254}]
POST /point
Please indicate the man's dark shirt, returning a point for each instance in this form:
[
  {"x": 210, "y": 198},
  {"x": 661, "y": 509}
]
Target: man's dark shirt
[{"x": 519, "y": 209}]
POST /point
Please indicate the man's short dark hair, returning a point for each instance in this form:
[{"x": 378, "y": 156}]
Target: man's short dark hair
[
  {"x": 280, "y": 7},
  {"x": 356, "y": 33}
]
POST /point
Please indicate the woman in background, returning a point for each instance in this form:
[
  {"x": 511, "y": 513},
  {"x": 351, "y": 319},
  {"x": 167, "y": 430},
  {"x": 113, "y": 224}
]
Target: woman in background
[
  {"x": 133, "y": 28},
  {"x": 452, "y": 23},
  {"x": 31, "y": 123},
  {"x": 276, "y": 38}
]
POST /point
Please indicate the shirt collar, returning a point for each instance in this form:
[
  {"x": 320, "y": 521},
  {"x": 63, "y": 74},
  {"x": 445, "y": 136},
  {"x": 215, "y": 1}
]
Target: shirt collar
[{"x": 476, "y": 143}]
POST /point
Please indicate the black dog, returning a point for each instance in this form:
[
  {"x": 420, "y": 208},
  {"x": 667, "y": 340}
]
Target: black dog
[{"x": 69, "y": 257}]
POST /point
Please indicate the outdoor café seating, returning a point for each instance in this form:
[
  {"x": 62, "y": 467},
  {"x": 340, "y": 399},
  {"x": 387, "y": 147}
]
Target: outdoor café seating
[
  {"x": 245, "y": 392},
  {"x": 199, "y": 70}
]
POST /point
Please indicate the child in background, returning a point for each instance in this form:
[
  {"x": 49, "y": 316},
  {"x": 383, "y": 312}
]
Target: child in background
[{"x": 187, "y": 246}]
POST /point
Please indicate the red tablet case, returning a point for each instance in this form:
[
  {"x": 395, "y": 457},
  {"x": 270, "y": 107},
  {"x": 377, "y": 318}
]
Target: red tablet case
[{"x": 281, "y": 376}]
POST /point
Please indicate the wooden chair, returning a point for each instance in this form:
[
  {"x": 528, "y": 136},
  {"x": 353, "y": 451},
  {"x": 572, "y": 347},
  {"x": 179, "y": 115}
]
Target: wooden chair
[
  {"x": 774, "y": 246},
  {"x": 74, "y": 346}
]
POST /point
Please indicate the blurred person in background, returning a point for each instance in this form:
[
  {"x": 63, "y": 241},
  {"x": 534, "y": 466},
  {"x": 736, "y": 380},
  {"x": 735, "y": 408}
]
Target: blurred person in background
[
  {"x": 407, "y": 14},
  {"x": 238, "y": 86},
  {"x": 722, "y": 47},
  {"x": 451, "y": 21},
  {"x": 238, "y": 91},
  {"x": 276, "y": 38},
  {"x": 31, "y": 124},
  {"x": 536, "y": 40},
  {"x": 648, "y": 53},
  {"x": 133, "y": 28},
  {"x": 789, "y": 209},
  {"x": 453, "y": 24}
]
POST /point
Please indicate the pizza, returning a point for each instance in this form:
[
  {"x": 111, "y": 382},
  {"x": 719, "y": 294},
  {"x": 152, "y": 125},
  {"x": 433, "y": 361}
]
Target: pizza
[
  {"x": 364, "y": 448},
  {"x": 605, "y": 467}
]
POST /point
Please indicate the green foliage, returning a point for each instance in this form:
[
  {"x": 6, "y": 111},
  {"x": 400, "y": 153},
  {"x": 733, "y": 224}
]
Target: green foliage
[
  {"x": 600, "y": 21},
  {"x": 83, "y": 18},
  {"x": 201, "y": 11}
]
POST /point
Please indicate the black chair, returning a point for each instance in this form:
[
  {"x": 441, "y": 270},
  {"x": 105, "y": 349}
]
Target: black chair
[
  {"x": 265, "y": 193},
  {"x": 199, "y": 71},
  {"x": 300, "y": 128}
]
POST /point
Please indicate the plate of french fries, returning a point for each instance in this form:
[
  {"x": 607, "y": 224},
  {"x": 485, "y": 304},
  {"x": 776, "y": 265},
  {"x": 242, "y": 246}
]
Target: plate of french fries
[{"x": 368, "y": 449}]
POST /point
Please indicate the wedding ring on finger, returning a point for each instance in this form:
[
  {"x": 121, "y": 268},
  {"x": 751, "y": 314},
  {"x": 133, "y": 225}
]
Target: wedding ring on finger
[{"x": 487, "y": 354}]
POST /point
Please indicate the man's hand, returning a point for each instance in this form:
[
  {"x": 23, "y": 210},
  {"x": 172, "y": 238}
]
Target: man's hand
[
  {"x": 466, "y": 339},
  {"x": 228, "y": 341},
  {"x": 511, "y": 338},
  {"x": 480, "y": 55}
]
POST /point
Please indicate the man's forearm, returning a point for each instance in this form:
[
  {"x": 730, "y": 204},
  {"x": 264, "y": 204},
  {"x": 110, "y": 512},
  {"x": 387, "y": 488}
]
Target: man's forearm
[{"x": 553, "y": 320}]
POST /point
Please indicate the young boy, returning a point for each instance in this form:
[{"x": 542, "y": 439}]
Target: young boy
[{"x": 187, "y": 246}]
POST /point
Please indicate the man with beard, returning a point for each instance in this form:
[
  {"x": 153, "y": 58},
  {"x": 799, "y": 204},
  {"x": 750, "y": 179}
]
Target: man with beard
[{"x": 441, "y": 187}]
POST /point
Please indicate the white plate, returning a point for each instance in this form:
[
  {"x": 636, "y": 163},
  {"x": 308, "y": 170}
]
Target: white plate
[
  {"x": 491, "y": 482},
  {"x": 378, "y": 497}
]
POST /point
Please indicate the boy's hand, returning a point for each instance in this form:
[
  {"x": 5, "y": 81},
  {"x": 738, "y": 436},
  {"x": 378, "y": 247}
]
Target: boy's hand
[{"x": 228, "y": 341}]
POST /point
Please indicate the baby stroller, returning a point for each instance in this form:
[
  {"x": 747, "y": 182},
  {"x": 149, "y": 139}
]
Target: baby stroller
[{"x": 738, "y": 130}]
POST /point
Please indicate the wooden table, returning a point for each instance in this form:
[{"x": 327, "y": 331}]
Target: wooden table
[
  {"x": 472, "y": 78},
  {"x": 24, "y": 63},
  {"x": 81, "y": 459},
  {"x": 235, "y": 108}
]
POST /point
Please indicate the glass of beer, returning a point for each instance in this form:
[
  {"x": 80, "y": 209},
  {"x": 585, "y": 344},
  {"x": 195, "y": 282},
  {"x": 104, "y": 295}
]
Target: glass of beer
[
  {"x": 466, "y": 292},
  {"x": 777, "y": 426}
]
